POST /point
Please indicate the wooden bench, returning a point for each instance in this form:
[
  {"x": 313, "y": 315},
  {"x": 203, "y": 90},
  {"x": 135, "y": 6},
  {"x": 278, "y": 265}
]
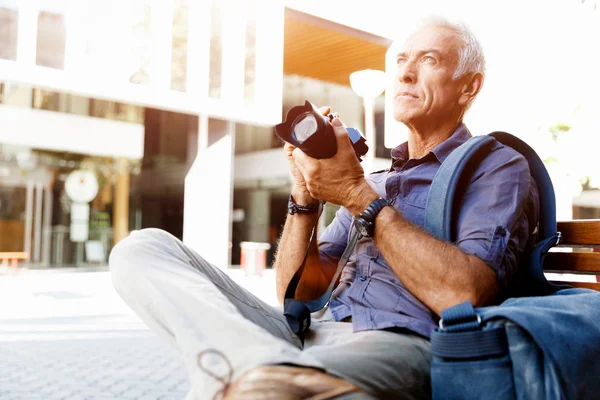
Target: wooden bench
[
  {"x": 578, "y": 252},
  {"x": 13, "y": 256}
]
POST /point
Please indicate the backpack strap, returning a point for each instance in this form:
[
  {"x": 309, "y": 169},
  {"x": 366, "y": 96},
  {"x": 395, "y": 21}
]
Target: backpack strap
[
  {"x": 547, "y": 225},
  {"x": 438, "y": 212}
]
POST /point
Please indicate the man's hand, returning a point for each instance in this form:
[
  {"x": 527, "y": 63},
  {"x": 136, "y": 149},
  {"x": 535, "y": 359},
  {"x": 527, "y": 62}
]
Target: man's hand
[
  {"x": 300, "y": 191},
  {"x": 338, "y": 180}
]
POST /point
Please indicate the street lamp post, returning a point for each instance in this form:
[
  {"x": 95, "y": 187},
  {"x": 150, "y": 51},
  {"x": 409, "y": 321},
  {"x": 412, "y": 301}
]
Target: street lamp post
[{"x": 369, "y": 84}]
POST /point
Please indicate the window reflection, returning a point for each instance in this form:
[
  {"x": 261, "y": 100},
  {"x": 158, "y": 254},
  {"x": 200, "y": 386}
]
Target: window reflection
[
  {"x": 46, "y": 100},
  {"x": 51, "y": 34},
  {"x": 12, "y": 212},
  {"x": 216, "y": 50},
  {"x": 72, "y": 104},
  {"x": 179, "y": 50},
  {"x": 8, "y": 33},
  {"x": 141, "y": 42},
  {"x": 249, "y": 138},
  {"x": 29, "y": 177},
  {"x": 250, "y": 62},
  {"x": 116, "y": 111},
  {"x": 168, "y": 138}
]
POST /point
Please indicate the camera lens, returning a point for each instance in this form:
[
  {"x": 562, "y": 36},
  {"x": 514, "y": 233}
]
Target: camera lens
[{"x": 305, "y": 127}]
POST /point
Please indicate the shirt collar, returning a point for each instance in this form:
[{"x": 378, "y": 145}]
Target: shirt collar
[{"x": 441, "y": 151}]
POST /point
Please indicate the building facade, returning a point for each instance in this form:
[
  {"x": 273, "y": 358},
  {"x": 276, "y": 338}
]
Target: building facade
[{"x": 171, "y": 105}]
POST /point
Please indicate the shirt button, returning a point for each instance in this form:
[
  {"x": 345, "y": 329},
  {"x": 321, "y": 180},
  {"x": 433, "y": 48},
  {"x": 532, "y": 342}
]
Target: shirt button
[{"x": 362, "y": 278}]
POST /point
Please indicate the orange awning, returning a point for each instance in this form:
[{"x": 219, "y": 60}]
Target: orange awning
[{"x": 324, "y": 50}]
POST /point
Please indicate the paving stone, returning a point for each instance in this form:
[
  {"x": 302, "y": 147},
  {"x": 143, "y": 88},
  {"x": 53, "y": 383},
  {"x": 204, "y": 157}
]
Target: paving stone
[
  {"x": 148, "y": 396},
  {"x": 66, "y": 352},
  {"x": 132, "y": 393},
  {"x": 76, "y": 377}
]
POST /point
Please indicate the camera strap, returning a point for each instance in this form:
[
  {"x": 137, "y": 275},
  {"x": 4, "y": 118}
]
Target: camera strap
[{"x": 296, "y": 312}]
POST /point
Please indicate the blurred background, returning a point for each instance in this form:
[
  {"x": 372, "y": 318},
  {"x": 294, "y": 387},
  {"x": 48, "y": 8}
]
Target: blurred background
[
  {"x": 170, "y": 105},
  {"x": 118, "y": 115}
]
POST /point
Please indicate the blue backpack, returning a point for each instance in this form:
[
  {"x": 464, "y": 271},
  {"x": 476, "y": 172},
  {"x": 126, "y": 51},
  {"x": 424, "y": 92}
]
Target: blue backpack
[{"x": 543, "y": 344}]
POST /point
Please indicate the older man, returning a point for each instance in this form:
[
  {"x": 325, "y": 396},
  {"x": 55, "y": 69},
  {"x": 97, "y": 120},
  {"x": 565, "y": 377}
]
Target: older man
[{"x": 392, "y": 290}]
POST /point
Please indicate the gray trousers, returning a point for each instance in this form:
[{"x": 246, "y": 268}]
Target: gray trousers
[{"x": 198, "y": 308}]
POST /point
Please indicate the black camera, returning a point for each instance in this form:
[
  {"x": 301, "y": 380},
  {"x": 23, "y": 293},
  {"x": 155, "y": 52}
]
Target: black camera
[{"x": 309, "y": 130}]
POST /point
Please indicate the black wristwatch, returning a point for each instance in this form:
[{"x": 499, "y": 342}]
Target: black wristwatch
[
  {"x": 364, "y": 222},
  {"x": 294, "y": 208}
]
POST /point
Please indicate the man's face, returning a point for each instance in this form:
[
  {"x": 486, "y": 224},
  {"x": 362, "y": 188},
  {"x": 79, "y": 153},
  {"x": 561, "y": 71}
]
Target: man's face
[{"x": 424, "y": 85}]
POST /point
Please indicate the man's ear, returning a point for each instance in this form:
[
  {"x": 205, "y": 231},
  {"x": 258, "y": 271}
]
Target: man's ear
[{"x": 471, "y": 88}]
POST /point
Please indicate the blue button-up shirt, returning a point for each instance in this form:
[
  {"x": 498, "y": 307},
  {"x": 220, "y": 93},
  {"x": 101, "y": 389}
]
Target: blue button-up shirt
[{"x": 495, "y": 221}]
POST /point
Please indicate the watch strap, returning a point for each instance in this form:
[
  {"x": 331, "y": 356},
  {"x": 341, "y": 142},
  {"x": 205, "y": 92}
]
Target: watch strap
[
  {"x": 370, "y": 213},
  {"x": 294, "y": 208}
]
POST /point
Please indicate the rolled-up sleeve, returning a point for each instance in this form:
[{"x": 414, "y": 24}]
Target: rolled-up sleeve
[{"x": 498, "y": 212}]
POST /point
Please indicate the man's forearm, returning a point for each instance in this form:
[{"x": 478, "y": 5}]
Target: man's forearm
[
  {"x": 437, "y": 273},
  {"x": 292, "y": 249}
]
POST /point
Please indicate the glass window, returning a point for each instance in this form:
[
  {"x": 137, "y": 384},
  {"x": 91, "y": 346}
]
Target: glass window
[
  {"x": 216, "y": 50},
  {"x": 116, "y": 111},
  {"x": 250, "y": 62},
  {"x": 250, "y": 138},
  {"x": 179, "y": 45},
  {"x": 141, "y": 42},
  {"x": 60, "y": 102},
  {"x": 51, "y": 34},
  {"x": 174, "y": 133},
  {"x": 79, "y": 105},
  {"x": 46, "y": 100},
  {"x": 9, "y": 20},
  {"x": 12, "y": 212},
  {"x": 168, "y": 138}
]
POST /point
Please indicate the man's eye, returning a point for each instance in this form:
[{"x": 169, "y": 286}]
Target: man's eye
[
  {"x": 429, "y": 59},
  {"x": 401, "y": 61}
]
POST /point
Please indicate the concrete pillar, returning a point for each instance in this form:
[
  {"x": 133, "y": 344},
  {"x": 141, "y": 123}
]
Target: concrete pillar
[
  {"x": 17, "y": 94},
  {"x": 121, "y": 202},
  {"x": 258, "y": 216},
  {"x": 208, "y": 198},
  {"x": 37, "y": 232},
  {"x": 28, "y": 218},
  {"x": 47, "y": 226},
  {"x": 369, "y": 158},
  {"x": 27, "y": 32}
]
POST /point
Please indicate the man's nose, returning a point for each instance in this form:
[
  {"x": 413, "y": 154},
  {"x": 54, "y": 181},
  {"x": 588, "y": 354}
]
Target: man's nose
[{"x": 407, "y": 73}]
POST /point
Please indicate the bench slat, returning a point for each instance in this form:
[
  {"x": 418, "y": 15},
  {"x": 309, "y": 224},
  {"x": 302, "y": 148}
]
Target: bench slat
[
  {"x": 577, "y": 262},
  {"x": 583, "y": 285},
  {"x": 580, "y": 232}
]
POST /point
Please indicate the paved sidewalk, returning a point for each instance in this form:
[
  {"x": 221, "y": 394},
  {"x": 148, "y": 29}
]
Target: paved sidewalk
[{"x": 67, "y": 335}]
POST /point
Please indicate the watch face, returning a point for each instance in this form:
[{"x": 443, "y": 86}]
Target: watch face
[{"x": 361, "y": 226}]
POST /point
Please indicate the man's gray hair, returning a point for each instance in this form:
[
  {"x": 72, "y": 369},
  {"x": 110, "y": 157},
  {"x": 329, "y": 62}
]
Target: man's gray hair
[{"x": 471, "y": 58}]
